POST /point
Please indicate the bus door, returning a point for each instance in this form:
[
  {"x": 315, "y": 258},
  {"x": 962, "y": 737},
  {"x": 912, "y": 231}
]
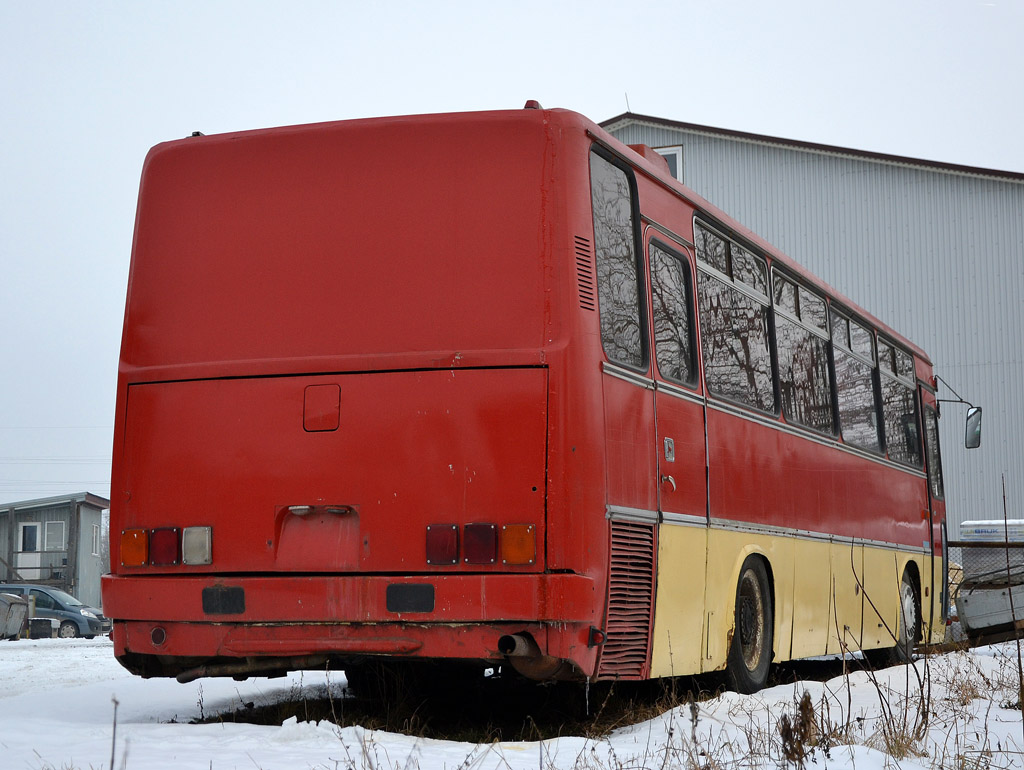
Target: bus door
[
  {"x": 935, "y": 606},
  {"x": 681, "y": 463}
]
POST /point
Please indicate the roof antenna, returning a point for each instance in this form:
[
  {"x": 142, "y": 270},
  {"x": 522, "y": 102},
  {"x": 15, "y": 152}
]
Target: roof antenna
[{"x": 627, "y": 102}]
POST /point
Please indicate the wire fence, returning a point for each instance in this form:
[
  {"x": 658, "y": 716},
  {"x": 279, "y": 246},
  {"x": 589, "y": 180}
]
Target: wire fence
[{"x": 989, "y": 564}]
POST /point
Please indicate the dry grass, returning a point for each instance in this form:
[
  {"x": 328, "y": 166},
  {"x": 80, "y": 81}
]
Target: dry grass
[{"x": 951, "y": 733}]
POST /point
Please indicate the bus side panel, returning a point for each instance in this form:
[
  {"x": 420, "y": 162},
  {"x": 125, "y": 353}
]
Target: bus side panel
[
  {"x": 813, "y": 616},
  {"x": 883, "y": 569},
  {"x": 629, "y": 445},
  {"x": 678, "y": 637},
  {"x": 777, "y": 480},
  {"x": 727, "y": 549},
  {"x": 846, "y": 599}
]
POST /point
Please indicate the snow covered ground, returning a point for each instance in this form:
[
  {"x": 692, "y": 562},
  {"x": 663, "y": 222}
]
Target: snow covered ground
[{"x": 57, "y": 707}]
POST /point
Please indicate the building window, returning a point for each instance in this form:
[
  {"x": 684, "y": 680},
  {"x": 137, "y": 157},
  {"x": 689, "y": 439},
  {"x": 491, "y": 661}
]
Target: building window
[
  {"x": 95, "y": 539},
  {"x": 674, "y": 157},
  {"x": 53, "y": 536}
]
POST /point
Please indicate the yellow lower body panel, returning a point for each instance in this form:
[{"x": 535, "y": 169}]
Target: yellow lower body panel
[{"x": 828, "y": 597}]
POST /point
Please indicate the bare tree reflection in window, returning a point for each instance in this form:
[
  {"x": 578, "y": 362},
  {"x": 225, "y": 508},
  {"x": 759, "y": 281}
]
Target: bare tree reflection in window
[
  {"x": 899, "y": 407},
  {"x": 670, "y": 294},
  {"x": 854, "y": 355},
  {"x": 749, "y": 269},
  {"x": 858, "y": 416},
  {"x": 618, "y": 292},
  {"x": 931, "y": 433},
  {"x": 804, "y": 383},
  {"x": 710, "y": 248},
  {"x": 734, "y": 335}
]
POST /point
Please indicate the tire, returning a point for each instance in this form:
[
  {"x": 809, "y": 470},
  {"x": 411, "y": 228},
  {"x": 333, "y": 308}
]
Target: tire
[
  {"x": 908, "y": 623},
  {"x": 750, "y": 653},
  {"x": 67, "y": 630},
  {"x": 908, "y": 629}
]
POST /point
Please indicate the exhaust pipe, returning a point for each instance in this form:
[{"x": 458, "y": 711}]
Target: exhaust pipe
[
  {"x": 245, "y": 668},
  {"x": 525, "y": 656},
  {"x": 518, "y": 646}
]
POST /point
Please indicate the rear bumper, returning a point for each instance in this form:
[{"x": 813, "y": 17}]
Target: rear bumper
[
  {"x": 352, "y": 599},
  {"x": 346, "y": 618}
]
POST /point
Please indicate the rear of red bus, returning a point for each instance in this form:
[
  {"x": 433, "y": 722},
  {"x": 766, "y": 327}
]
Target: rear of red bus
[{"x": 343, "y": 398}]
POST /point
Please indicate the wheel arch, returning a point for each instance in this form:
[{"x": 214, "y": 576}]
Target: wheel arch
[
  {"x": 762, "y": 555},
  {"x": 912, "y": 570}
]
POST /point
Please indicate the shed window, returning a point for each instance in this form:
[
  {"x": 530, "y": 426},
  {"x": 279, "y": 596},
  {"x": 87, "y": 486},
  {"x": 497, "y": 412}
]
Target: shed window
[{"x": 54, "y": 536}]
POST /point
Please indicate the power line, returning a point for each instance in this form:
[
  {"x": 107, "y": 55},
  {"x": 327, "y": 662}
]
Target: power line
[{"x": 53, "y": 461}]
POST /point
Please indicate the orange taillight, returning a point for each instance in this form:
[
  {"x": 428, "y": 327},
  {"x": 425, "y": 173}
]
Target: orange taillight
[
  {"x": 134, "y": 547},
  {"x": 518, "y": 544}
]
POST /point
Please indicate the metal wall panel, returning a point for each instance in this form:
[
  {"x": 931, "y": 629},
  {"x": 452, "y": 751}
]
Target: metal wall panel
[{"x": 936, "y": 254}]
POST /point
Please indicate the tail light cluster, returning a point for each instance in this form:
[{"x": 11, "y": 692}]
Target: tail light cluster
[
  {"x": 513, "y": 544},
  {"x": 166, "y": 546}
]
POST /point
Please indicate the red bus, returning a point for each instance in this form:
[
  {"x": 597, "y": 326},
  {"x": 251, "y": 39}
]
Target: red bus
[{"x": 493, "y": 389}]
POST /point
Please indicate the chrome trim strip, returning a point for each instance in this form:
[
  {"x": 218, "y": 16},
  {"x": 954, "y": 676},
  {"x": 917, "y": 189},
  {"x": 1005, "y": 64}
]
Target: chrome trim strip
[
  {"x": 678, "y": 392},
  {"x": 628, "y": 376},
  {"x": 803, "y": 534},
  {"x": 770, "y": 421},
  {"x": 622, "y": 513},
  {"x": 684, "y": 519},
  {"x": 683, "y": 244}
]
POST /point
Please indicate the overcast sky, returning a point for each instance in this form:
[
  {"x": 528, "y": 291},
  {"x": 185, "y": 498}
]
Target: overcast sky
[{"x": 87, "y": 88}]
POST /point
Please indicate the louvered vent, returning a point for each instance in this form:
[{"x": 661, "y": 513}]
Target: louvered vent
[
  {"x": 630, "y": 602},
  {"x": 585, "y": 273}
]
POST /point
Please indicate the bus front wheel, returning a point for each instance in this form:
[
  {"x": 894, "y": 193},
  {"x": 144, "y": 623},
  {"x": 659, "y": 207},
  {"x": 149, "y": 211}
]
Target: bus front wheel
[
  {"x": 750, "y": 653},
  {"x": 908, "y": 628}
]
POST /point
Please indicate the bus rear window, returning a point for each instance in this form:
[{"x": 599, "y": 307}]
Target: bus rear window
[{"x": 618, "y": 283}]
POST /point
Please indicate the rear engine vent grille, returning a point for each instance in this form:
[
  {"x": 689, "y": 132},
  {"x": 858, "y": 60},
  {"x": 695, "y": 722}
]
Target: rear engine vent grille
[
  {"x": 585, "y": 273},
  {"x": 630, "y": 602}
]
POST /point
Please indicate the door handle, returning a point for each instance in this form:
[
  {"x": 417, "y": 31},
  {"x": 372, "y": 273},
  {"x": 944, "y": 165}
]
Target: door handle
[{"x": 670, "y": 480}]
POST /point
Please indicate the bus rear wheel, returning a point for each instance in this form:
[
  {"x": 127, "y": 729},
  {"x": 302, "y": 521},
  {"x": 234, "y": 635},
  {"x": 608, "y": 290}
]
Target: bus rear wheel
[{"x": 750, "y": 654}]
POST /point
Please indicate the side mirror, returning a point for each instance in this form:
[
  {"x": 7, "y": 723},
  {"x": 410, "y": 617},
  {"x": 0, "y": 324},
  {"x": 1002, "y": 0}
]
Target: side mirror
[{"x": 972, "y": 438}]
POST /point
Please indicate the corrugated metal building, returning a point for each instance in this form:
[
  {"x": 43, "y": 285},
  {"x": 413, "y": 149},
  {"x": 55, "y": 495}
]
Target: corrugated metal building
[
  {"x": 933, "y": 249},
  {"x": 55, "y": 541}
]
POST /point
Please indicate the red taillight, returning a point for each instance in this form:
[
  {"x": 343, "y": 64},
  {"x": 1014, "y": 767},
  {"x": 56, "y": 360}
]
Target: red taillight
[
  {"x": 165, "y": 546},
  {"x": 481, "y": 543},
  {"x": 443, "y": 544}
]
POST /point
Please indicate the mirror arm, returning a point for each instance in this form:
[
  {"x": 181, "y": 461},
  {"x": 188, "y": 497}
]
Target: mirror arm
[{"x": 958, "y": 400}]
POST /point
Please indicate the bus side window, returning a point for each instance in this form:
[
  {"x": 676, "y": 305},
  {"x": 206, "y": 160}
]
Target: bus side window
[
  {"x": 673, "y": 316},
  {"x": 618, "y": 276},
  {"x": 931, "y": 444},
  {"x": 733, "y": 312},
  {"x": 801, "y": 342},
  {"x": 899, "y": 406},
  {"x": 854, "y": 357}
]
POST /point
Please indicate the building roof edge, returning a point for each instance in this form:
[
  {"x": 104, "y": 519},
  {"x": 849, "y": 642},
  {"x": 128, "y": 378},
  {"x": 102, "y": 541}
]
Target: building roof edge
[{"x": 626, "y": 118}]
